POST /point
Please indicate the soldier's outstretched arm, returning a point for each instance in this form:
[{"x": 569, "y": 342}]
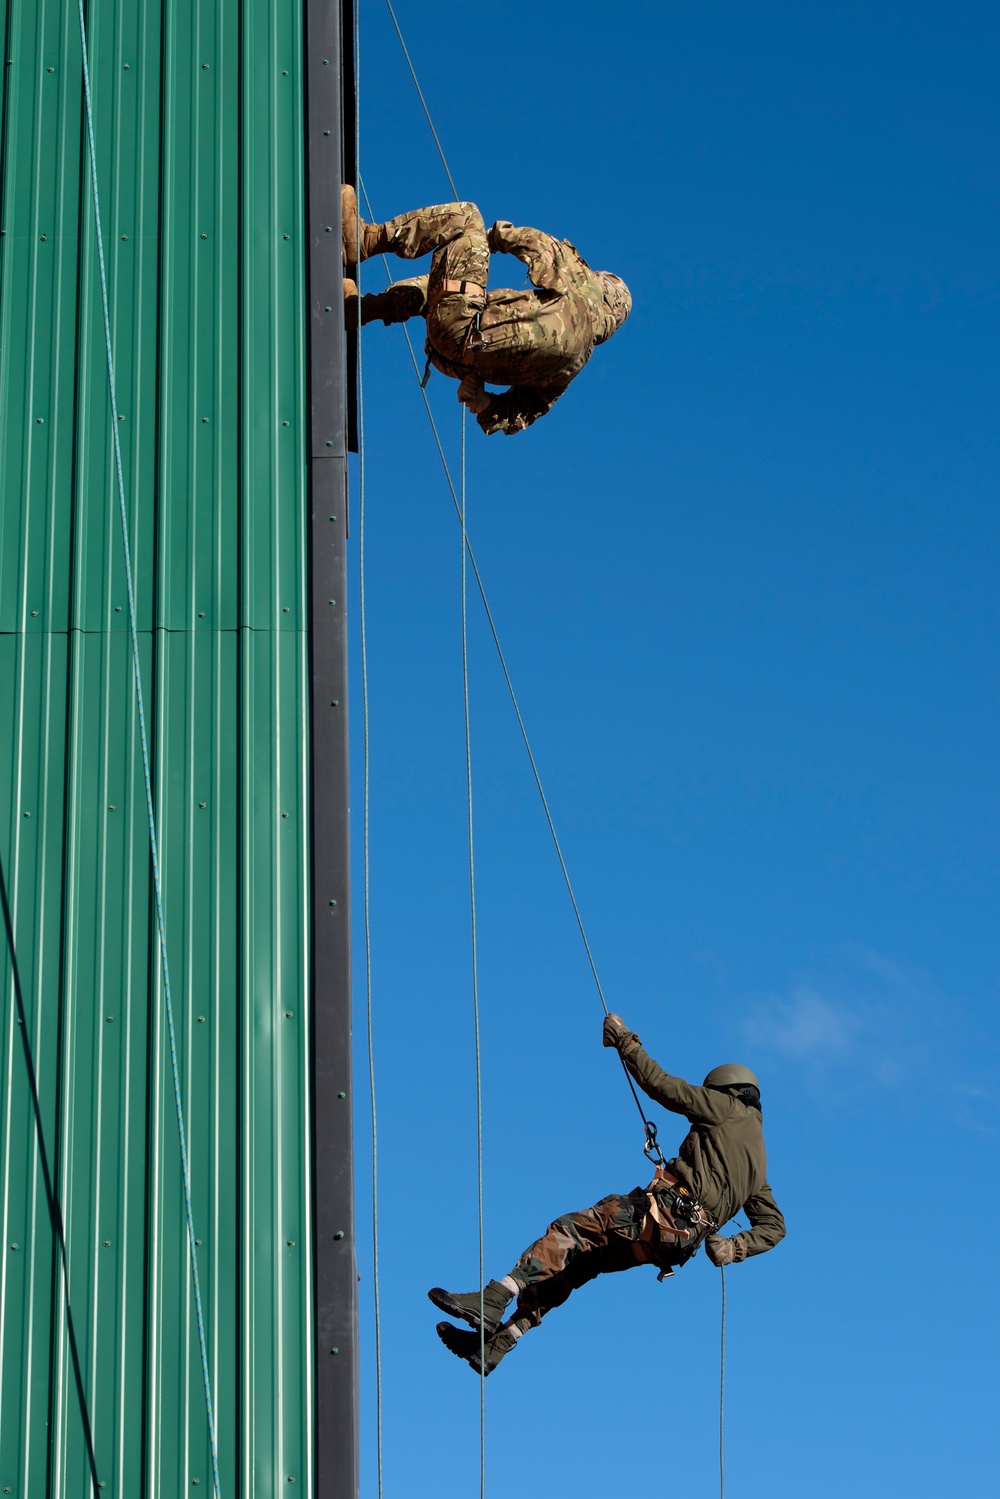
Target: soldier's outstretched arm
[
  {"x": 767, "y": 1224},
  {"x": 542, "y": 253},
  {"x": 767, "y": 1228},
  {"x": 700, "y": 1105}
]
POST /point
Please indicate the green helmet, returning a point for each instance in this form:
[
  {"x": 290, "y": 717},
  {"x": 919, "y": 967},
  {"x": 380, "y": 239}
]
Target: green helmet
[{"x": 730, "y": 1075}]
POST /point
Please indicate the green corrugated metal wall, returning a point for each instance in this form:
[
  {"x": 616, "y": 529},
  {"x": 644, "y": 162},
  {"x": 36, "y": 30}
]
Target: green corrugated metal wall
[{"x": 199, "y": 121}]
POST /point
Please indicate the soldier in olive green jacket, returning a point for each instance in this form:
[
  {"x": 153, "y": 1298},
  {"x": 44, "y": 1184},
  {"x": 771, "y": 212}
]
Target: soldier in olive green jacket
[
  {"x": 535, "y": 341},
  {"x": 721, "y": 1169}
]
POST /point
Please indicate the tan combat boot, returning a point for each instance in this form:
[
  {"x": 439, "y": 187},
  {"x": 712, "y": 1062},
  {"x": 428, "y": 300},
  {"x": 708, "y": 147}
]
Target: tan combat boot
[
  {"x": 350, "y": 223},
  {"x": 360, "y": 239}
]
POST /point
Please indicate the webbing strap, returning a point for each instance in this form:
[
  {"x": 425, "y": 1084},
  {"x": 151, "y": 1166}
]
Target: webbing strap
[{"x": 140, "y": 707}]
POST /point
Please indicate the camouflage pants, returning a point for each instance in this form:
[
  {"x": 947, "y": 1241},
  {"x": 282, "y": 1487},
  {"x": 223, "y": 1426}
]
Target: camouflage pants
[
  {"x": 456, "y": 234},
  {"x": 597, "y": 1241}
]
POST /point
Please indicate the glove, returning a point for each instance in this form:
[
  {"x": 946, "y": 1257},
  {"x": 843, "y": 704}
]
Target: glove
[
  {"x": 722, "y": 1251},
  {"x": 488, "y": 419},
  {"x": 473, "y": 394},
  {"x": 617, "y": 1033},
  {"x": 494, "y": 236}
]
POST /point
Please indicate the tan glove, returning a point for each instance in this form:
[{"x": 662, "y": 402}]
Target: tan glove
[
  {"x": 494, "y": 236},
  {"x": 473, "y": 394},
  {"x": 722, "y": 1251},
  {"x": 617, "y": 1033}
]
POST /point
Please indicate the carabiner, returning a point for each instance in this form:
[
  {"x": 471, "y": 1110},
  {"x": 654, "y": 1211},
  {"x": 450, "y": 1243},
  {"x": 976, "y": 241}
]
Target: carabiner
[{"x": 651, "y": 1149}]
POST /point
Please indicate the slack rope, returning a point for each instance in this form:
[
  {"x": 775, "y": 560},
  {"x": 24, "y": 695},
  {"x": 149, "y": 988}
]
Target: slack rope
[
  {"x": 140, "y": 707},
  {"x": 457, "y": 498},
  {"x": 475, "y": 978}
]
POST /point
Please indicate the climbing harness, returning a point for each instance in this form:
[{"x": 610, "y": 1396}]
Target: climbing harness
[
  {"x": 672, "y": 1211},
  {"x": 147, "y": 777},
  {"x": 474, "y": 340},
  {"x": 464, "y": 288}
]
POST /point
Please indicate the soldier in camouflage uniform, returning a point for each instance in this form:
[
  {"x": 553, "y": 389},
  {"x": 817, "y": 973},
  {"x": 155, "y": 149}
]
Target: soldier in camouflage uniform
[
  {"x": 535, "y": 341},
  {"x": 720, "y": 1170}
]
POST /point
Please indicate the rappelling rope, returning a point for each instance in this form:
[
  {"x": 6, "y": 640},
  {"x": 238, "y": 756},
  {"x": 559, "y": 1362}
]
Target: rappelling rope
[
  {"x": 153, "y": 853},
  {"x": 469, "y": 802},
  {"x": 366, "y": 779},
  {"x": 475, "y": 980},
  {"x": 722, "y": 1390},
  {"x": 423, "y": 102},
  {"x": 457, "y": 501},
  {"x": 651, "y": 1148}
]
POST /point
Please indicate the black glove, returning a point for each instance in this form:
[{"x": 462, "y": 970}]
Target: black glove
[{"x": 616, "y": 1033}]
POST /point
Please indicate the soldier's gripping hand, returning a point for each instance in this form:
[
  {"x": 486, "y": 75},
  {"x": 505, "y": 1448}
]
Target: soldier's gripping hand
[
  {"x": 722, "y": 1251},
  {"x": 494, "y": 236},
  {"x": 491, "y": 420},
  {"x": 473, "y": 394},
  {"x": 616, "y": 1033}
]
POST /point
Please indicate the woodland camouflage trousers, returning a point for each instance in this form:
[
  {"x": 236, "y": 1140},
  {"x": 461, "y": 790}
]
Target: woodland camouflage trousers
[{"x": 597, "y": 1241}]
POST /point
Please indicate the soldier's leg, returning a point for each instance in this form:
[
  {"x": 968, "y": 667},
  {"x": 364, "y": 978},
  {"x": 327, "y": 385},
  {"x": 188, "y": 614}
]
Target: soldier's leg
[
  {"x": 456, "y": 286},
  {"x": 454, "y": 230},
  {"x": 573, "y": 1250},
  {"x": 400, "y": 301}
]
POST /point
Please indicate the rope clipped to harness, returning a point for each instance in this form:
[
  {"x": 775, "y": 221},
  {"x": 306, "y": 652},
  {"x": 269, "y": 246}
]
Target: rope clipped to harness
[{"x": 651, "y": 1149}]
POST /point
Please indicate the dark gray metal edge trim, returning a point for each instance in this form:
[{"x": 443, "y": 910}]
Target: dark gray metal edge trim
[{"x": 336, "y": 1310}]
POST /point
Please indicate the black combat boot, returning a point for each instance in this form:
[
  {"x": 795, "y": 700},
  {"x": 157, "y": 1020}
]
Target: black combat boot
[
  {"x": 401, "y": 300},
  {"x": 352, "y": 303},
  {"x": 495, "y": 1299},
  {"x": 466, "y": 1345}
]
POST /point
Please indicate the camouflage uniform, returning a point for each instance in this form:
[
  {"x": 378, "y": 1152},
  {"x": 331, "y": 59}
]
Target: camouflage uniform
[
  {"x": 534, "y": 341},
  {"x": 720, "y": 1169},
  {"x": 615, "y": 1234}
]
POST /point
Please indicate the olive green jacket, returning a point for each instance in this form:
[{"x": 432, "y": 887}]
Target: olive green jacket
[{"x": 722, "y": 1160}]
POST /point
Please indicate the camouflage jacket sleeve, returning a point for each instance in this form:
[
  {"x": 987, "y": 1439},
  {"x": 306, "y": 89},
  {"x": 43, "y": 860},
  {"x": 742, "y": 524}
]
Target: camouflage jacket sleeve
[
  {"x": 699, "y": 1105},
  {"x": 767, "y": 1225},
  {"x": 553, "y": 264},
  {"x": 512, "y": 410}
]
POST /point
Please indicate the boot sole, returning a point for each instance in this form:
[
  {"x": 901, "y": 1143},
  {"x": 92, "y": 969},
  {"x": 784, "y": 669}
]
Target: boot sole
[
  {"x": 446, "y": 1303},
  {"x": 472, "y": 1359}
]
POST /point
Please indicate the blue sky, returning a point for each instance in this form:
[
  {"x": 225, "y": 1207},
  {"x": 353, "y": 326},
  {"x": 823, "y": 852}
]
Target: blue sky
[{"x": 745, "y": 575}]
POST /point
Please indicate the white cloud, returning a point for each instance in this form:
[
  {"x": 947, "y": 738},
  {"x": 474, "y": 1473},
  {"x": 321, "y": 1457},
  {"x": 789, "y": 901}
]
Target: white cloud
[{"x": 805, "y": 1025}]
